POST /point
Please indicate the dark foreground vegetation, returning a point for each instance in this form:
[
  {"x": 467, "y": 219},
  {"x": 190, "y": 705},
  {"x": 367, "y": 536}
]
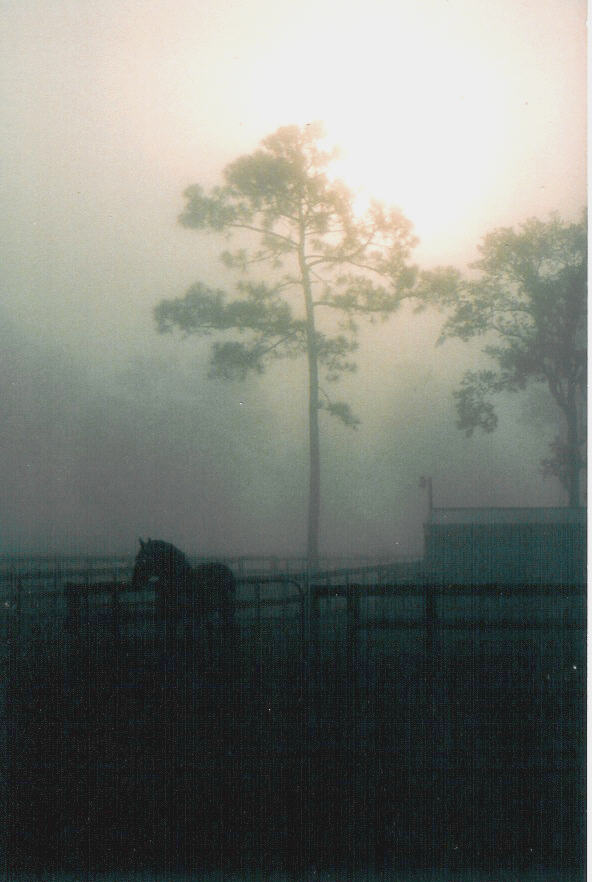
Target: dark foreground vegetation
[{"x": 460, "y": 748}]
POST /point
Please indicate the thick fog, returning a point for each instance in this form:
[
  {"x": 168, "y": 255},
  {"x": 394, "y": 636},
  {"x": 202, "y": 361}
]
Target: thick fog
[
  {"x": 110, "y": 431},
  {"x": 150, "y": 447}
]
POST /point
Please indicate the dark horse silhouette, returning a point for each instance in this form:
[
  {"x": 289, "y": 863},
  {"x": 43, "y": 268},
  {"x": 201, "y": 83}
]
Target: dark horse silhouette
[{"x": 202, "y": 593}]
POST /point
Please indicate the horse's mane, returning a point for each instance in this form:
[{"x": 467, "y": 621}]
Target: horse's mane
[{"x": 168, "y": 550}]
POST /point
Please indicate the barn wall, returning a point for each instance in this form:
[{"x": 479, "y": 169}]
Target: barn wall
[{"x": 517, "y": 553}]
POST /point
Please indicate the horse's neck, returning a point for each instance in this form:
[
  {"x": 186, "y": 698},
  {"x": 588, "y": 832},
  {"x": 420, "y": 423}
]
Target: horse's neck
[{"x": 179, "y": 564}]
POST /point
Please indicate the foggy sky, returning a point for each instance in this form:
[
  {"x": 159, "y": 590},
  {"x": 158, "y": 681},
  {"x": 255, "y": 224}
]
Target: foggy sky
[{"x": 469, "y": 115}]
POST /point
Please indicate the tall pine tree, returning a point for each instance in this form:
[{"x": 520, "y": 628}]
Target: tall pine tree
[{"x": 307, "y": 254}]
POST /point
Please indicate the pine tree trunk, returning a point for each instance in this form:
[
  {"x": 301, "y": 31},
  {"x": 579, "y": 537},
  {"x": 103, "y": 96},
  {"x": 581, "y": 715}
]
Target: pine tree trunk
[{"x": 314, "y": 486}]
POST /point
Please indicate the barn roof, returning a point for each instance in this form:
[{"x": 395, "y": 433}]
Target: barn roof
[{"x": 490, "y": 516}]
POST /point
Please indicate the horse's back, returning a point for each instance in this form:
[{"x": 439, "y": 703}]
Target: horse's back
[{"x": 215, "y": 575}]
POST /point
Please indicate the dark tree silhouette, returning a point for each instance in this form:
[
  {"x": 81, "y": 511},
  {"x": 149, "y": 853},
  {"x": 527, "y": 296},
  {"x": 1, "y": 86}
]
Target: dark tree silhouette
[{"x": 529, "y": 303}]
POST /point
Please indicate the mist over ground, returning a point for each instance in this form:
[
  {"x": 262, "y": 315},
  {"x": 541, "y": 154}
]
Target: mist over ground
[
  {"x": 150, "y": 446},
  {"x": 109, "y": 431}
]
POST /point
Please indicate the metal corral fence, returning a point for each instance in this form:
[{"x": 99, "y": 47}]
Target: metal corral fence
[
  {"x": 49, "y": 592},
  {"x": 349, "y": 611},
  {"x": 384, "y": 636}
]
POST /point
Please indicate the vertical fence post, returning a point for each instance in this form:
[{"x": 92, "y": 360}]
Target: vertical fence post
[
  {"x": 308, "y": 591},
  {"x": 258, "y": 600},
  {"x": 55, "y": 598},
  {"x": 430, "y": 625},
  {"x": 74, "y": 608},
  {"x": 353, "y": 623},
  {"x": 258, "y": 640},
  {"x": 315, "y": 649},
  {"x": 315, "y": 612},
  {"x": 115, "y": 610},
  {"x": 19, "y": 607},
  {"x": 87, "y": 603}
]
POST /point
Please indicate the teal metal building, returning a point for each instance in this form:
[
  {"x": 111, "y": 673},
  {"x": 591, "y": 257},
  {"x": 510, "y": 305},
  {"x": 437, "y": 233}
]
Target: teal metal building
[{"x": 528, "y": 546}]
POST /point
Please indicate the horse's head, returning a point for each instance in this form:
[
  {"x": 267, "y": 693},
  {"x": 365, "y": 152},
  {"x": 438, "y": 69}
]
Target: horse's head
[
  {"x": 147, "y": 565},
  {"x": 156, "y": 561}
]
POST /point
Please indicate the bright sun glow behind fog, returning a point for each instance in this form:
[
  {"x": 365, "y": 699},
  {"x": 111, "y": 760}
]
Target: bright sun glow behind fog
[
  {"x": 425, "y": 155},
  {"x": 436, "y": 109},
  {"x": 417, "y": 129},
  {"x": 454, "y": 111}
]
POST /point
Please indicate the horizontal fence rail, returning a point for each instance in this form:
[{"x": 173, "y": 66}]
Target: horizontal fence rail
[{"x": 20, "y": 597}]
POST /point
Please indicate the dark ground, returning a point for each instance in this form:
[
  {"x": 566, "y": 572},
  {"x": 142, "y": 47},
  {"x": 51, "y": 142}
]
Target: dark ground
[{"x": 252, "y": 755}]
